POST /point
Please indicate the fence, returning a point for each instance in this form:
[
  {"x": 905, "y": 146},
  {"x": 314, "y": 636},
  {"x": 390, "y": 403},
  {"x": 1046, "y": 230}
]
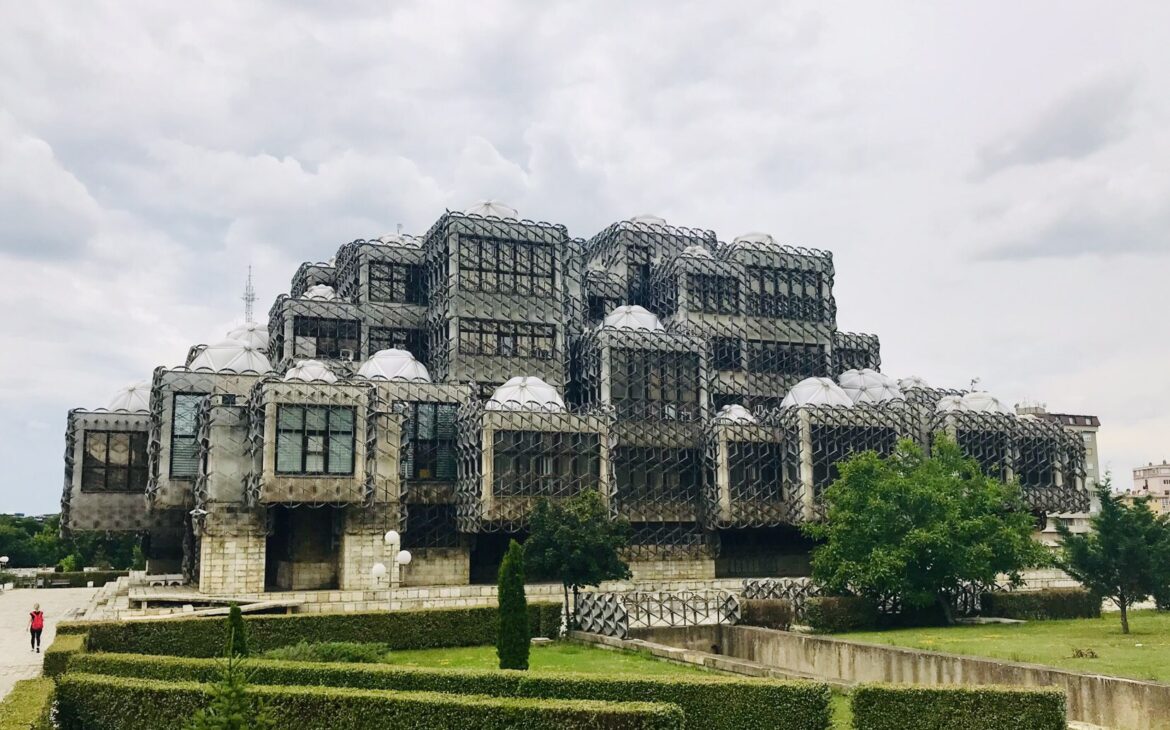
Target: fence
[{"x": 614, "y": 614}]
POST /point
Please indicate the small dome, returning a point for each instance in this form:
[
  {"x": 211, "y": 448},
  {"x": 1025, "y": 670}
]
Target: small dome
[
  {"x": 632, "y": 317},
  {"x": 397, "y": 239},
  {"x": 311, "y": 371},
  {"x": 734, "y": 413},
  {"x": 252, "y": 334},
  {"x": 319, "y": 291},
  {"x": 912, "y": 381},
  {"x": 647, "y": 219},
  {"x": 754, "y": 239},
  {"x": 493, "y": 209},
  {"x": 133, "y": 398},
  {"x": 526, "y": 394},
  {"x": 697, "y": 251},
  {"x": 816, "y": 392},
  {"x": 949, "y": 403},
  {"x": 869, "y": 386},
  {"x": 394, "y": 364},
  {"x": 981, "y": 402},
  {"x": 231, "y": 355}
]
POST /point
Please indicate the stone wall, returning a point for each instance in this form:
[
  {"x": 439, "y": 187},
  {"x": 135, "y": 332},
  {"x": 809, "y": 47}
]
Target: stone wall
[
  {"x": 230, "y": 564},
  {"x": 672, "y": 570},
  {"x": 438, "y": 567}
]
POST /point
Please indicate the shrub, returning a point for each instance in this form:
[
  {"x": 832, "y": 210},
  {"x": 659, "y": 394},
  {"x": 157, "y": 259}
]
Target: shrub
[
  {"x": 549, "y": 624},
  {"x": 58, "y": 653},
  {"x": 770, "y": 613},
  {"x": 1050, "y": 603},
  {"x": 232, "y": 707},
  {"x": 332, "y": 651},
  {"x": 28, "y": 706},
  {"x": 237, "y": 632},
  {"x": 91, "y": 702},
  {"x": 515, "y": 636},
  {"x": 837, "y": 614},
  {"x": 80, "y": 578},
  {"x": 713, "y": 702},
  {"x": 910, "y": 707},
  {"x": 425, "y": 629}
]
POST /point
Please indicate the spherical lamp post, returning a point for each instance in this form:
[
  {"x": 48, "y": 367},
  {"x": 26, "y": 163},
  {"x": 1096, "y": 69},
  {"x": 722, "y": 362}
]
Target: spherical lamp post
[{"x": 4, "y": 564}]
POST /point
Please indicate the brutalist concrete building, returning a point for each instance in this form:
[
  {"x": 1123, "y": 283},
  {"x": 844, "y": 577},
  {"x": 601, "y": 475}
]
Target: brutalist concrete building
[{"x": 441, "y": 386}]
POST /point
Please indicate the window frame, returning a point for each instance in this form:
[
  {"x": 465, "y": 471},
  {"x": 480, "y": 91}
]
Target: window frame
[
  {"x": 314, "y": 326},
  {"x": 506, "y": 338},
  {"x": 493, "y": 265},
  {"x": 405, "y": 283},
  {"x": 131, "y": 469},
  {"x": 194, "y": 435},
  {"x": 327, "y": 438},
  {"x": 408, "y": 467}
]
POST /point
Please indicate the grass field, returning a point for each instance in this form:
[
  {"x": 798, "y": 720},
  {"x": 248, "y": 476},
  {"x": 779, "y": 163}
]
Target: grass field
[
  {"x": 556, "y": 657},
  {"x": 1144, "y": 653}
]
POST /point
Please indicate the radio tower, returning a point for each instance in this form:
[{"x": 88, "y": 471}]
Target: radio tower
[{"x": 249, "y": 298}]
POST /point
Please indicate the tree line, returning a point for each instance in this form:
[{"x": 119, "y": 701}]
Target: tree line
[{"x": 36, "y": 542}]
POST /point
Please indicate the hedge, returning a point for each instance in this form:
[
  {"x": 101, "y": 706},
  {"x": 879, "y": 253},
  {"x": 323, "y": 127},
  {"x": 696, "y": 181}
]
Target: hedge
[
  {"x": 837, "y": 614},
  {"x": 910, "y": 707},
  {"x": 58, "y": 653},
  {"x": 77, "y": 579},
  {"x": 1050, "y": 603},
  {"x": 206, "y": 637},
  {"x": 28, "y": 706},
  {"x": 768, "y": 613},
  {"x": 708, "y": 702},
  {"x": 91, "y": 702}
]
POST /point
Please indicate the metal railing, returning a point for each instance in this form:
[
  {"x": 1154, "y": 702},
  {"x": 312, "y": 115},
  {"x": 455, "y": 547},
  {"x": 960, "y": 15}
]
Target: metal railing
[{"x": 614, "y": 614}]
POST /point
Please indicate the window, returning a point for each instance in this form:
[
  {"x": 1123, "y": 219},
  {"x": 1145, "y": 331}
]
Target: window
[
  {"x": 184, "y": 446},
  {"x": 656, "y": 475},
  {"x": 428, "y": 442},
  {"x": 713, "y": 294},
  {"x": 655, "y": 384},
  {"x": 538, "y": 463},
  {"x": 755, "y": 470},
  {"x": 506, "y": 267},
  {"x": 786, "y": 358},
  {"x": 315, "y": 440},
  {"x": 726, "y": 353},
  {"x": 393, "y": 282},
  {"x": 506, "y": 339},
  {"x": 320, "y": 337},
  {"x": 785, "y": 293},
  {"x": 114, "y": 461},
  {"x": 411, "y": 340}
]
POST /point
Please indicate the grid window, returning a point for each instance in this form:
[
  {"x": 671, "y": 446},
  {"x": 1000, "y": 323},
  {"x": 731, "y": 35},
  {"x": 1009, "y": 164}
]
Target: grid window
[
  {"x": 394, "y": 282},
  {"x": 786, "y": 358},
  {"x": 713, "y": 294},
  {"x": 786, "y": 294},
  {"x": 726, "y": 353},
  {"x": 320, "y": 337},
  {"x": 538, "y": 463},
  {"x": 654, "y": 384},
  {"x": 507, "y": 267},
  {"x": 755, "y": 470},
  {"x": 184, "y": 443},
  {"x": 428, "y": 442},
  {"x": 656, "y": 475},
  {"x": 386, "y": 338},
  {"x": 315, "y": 440},
  {"x": 114, "y": 461},
  {"x": 506, "y": 339}
]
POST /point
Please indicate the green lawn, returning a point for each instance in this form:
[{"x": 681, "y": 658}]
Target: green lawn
[
  {"x": 556, "y": 657},
  {"x": 1144, "y": 653}
]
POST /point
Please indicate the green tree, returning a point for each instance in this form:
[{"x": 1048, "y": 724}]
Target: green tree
[
  {"x": 576, "y": 542},
  {"x": 231, "y": 707},
  {"x": 238, "y": 631},
  {"x": 916, "y": 528},
  {"x": 513, "y": 640},
  {"x": 1125, "y": 556}
]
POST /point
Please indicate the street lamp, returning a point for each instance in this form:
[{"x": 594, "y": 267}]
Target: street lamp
[{"x": 401, "y": 558}]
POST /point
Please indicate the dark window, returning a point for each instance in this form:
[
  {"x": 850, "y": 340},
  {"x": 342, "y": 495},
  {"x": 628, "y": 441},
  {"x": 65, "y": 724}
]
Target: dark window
[
  {"x": 832, "y": 445},
  {"x": 786, "y": 358},
  {"x": 184, "y": 446},
  {"x": 114, "y": 461},
  {"x": 411, "y": 340},
  {"x": 315, "y": 440},
  {"x": 755, "y": 470},
  {"x": 655, "y": 384},
  {"x": 598, "y": 308},
  {"x": 430, "y": 526},
  {"x": 428, "y": 442},
  {"x": 713, "y": 294},
  {"x": 786, "y": 294},
  {"x": 726, "y": 353},
  {"x": 656, "y": 475},
  {"x": 539, "y": 463},
  {"x": 320, "y": 337},
  {"x": 393, "y": 282},
  {"x": 638, "y": 275},
  {"x": 506, "y": 339},
  {"x": 506, "y": 267}
]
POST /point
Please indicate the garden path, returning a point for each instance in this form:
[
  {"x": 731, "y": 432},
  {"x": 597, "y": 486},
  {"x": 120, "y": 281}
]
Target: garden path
[{"x": 59, "y": 604}]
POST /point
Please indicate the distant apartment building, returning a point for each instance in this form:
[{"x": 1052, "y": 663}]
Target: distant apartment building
[
  {"x": 1152, "y": 482},
  {"x": 1086, "y": 427}
]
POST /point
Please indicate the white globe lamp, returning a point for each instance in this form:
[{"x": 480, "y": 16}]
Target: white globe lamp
[
  {"x": 392, "y": 537},
  {"x": 378, "y": 571},
  {"x": 403, "y": 558}
]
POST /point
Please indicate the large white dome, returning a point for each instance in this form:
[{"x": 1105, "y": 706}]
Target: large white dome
[
  {"x": 912, "y": 381},
  {"x": 526, "y": 394},
  {"x": 493, "y": 208},
  {"x": 754, "y": 238},
  {"x": 134, "y": 397},
  {"x": 734, "y": 413},
  {"x": 231, "y": 355},
  {"x": 648, "y": 219},
  {"x": 632, "y": 317},
  {"x": 398, "y": 239},
  {"x": 949, "y": 403},
  {"x": 312, "y": 371},
  {"x": 252, "y": 334},
  {"x": 697, "y": 251},
  {"x": 319, "y": 291},
  {"x": 869, "y": 386},
  {"x": 394, "y": 364},
  {"x": 816, "y": 392},
  {"x": 981, "y": 402}
]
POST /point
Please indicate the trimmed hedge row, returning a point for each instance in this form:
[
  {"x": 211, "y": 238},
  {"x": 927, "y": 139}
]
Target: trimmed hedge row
[
  {"x": 768, "y": 613},
  {"x": 910, "y": 707},
  {"x": 91, "y": 702},
  {"x": 77, "y": 579},
  {"x": 28, "y": 706},
  {"x": 206, "y": 637},
  {"x": 58, "y": 653},
  {"x": 838, "y": 614},
  {"x": 714, "y": 702},
  {"x": 1050, "y": 603}
]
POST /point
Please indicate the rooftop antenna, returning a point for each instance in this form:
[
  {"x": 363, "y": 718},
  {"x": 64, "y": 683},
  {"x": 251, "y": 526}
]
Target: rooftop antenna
[
  {"x": 249, "y": 298},
  {"x": 400, "y": 228}
]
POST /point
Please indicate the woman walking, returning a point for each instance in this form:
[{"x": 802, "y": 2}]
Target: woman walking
[{"x": 36, "y": 624}]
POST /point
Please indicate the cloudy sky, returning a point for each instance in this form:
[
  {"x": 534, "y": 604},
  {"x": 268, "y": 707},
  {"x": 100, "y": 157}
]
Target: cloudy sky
[{"x": 993, "y": 178}]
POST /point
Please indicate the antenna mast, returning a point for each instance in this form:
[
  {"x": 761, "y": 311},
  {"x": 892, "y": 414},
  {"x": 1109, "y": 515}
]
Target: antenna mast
[{"x": 249, "y": 298}]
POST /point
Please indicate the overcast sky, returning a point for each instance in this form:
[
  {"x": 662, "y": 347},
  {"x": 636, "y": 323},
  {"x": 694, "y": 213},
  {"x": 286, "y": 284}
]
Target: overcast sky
[{"x": 993, "y": 178}]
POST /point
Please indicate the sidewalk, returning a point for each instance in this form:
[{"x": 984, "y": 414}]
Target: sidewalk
[{"x": 16, "y": 661}]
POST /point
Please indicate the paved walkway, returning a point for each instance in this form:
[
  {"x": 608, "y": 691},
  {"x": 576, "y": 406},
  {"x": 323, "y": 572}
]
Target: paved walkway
[{"x": 16, "y": 660}]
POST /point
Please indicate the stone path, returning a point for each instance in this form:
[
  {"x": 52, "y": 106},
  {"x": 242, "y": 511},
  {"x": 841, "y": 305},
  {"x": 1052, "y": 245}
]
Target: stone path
[{"x": 16, "y": 661}]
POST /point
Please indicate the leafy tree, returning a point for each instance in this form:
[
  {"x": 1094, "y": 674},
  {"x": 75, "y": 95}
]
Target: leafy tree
[
  {"x": 231, "y": 707},
  {"x": 32, "y": 542},
  {"x": 576, "y": 542},
  {"x": 238, "y": 631},
  {"x": 915, "y": 528},
  {"x": 513, "y": 640},
  {"x": 1126, "y": 556}
]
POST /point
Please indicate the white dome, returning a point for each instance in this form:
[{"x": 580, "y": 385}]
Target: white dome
[
  {"x": 696, "y": 250},
  {"x": 869, "y": 386},
  {"x": 648, "y": 219},
  {"x": 134, "y": 397},
  {"x": 319, "y": 291},
  {"x": 949, "y": 403},
  {"x": 493, "y": 208},
  {"x": 734, "y": 413},
  {"x": 310, "y": 370},
  {"x": 632, "y": 317},
  {"x": 912, "y": 381},
  {"x": 394, "y": 364},
  {"x": 252, "y": 334},
  {"x": 232, "y": 355},
  {"x": 524, "y": 394},
  {"x": 397, "y": 239},
  {"x": 755, "y": 238},
  {"x": 981, "y": 402},
  {"x": 816, "y": 392}
]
